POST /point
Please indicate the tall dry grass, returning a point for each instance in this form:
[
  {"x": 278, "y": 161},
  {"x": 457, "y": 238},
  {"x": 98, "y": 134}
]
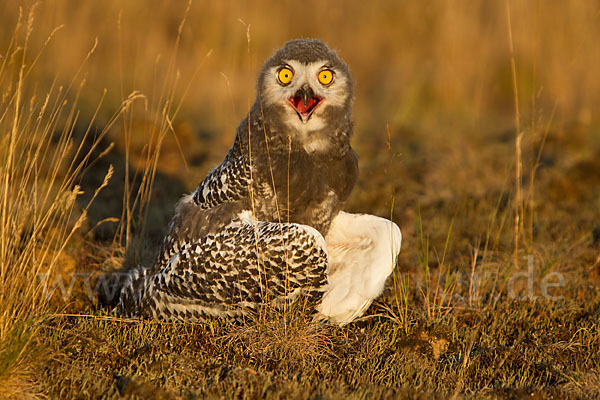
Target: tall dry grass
[
  {"x": 38, "y": 208},
  {"x": 42, "y": 157},
  {"x": 51, "y": 138}
]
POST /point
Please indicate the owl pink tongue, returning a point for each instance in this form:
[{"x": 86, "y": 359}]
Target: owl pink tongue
[{"x": 299, "y": 104}]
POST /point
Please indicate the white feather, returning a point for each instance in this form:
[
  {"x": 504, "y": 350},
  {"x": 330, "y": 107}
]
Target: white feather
[{"x": 362, "y": 254}]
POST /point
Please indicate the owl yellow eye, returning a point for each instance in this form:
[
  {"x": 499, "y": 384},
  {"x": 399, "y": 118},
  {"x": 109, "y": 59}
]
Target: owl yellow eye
[
  {"x": 326, "y": 76},
  {"x": 285, "y": 75}
]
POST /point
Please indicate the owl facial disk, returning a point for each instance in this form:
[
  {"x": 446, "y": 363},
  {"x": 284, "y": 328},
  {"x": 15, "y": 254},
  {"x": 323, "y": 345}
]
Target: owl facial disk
[
  {"x": 305, "y": 91},
  {"x": 304, "y": 102}
]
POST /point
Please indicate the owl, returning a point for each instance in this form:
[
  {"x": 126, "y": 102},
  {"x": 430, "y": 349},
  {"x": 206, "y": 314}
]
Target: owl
[{"x": 266, "y": 225}]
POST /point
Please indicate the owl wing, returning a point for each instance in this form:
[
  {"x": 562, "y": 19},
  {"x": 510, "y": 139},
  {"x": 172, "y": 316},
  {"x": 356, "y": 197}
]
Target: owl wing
[
  {"x": 227, "y": 182},
  {"x": 244, "y": 266}
]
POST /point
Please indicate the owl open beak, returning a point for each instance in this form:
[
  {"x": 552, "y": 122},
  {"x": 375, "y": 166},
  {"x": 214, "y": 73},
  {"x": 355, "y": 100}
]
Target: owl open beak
[{"x": 304, "y": 102}]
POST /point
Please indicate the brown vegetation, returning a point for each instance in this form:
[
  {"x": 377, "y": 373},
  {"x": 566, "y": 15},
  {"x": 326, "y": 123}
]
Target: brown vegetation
[{"x": 478, "y": 134}]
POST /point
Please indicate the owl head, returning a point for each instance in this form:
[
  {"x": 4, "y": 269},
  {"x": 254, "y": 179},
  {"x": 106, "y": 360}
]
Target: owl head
[{"x": 305, "y": 87}]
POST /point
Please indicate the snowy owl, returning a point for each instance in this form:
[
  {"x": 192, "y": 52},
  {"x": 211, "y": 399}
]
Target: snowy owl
[{"x": 267, "y": 225}]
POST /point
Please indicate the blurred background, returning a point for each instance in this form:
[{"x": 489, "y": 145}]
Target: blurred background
[{"x": 435, "y": 111}]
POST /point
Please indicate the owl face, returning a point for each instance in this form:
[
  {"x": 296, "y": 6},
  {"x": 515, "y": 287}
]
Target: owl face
[{"x": 306, "y": 84}]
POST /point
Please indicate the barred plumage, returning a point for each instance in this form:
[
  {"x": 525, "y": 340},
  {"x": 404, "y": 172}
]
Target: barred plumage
[
  {"x": 227, "y": 182},
  {"x": 218, "y": 273}
]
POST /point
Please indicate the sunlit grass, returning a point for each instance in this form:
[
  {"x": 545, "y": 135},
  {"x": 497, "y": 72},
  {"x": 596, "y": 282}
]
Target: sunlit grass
[
  {"x": 42, "y": 158},
  {"x": 39, "y": 213}
]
